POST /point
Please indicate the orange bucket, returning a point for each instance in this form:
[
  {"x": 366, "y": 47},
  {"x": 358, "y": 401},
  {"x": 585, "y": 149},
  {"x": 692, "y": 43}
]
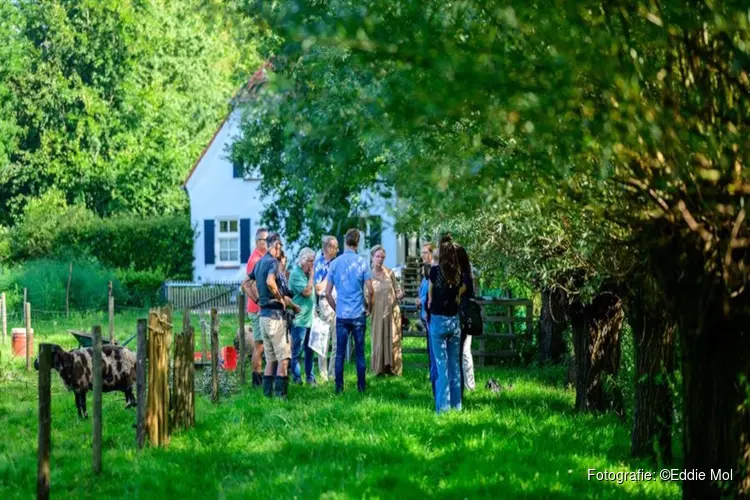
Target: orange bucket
[
  {"x": 19, "y": 342},
  {"x": 229, "y": 354}
]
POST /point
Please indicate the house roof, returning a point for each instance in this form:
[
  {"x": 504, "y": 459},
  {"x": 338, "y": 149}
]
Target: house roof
[{"x": 246, "y": 93}]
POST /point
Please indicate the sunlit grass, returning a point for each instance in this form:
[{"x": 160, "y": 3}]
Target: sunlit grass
[{"x": 525, "y": 442}]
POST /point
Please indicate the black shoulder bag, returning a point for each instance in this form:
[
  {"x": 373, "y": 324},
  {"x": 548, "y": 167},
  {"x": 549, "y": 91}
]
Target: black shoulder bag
[{"x": 471, "y": 318}]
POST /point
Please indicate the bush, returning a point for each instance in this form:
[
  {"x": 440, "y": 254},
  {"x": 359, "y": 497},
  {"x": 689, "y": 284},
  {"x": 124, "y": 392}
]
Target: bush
[
  {"x": 50, "y": 228},
  {"x": 141, "y": 287},
  {"x": 47, "y": 282},
  {"x": 131, "y": 242}
]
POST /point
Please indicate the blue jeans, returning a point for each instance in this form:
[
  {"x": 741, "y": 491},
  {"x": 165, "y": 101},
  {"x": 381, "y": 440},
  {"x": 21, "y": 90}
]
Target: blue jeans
[
  {"x": 445, "y": 341},
  {"x": 431, "y": 365},
  {"x": 356, "y": 327},
  {"x": 300, "y": 339}
]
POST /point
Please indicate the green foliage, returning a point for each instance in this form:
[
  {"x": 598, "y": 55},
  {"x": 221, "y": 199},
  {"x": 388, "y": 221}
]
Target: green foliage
[
  {"x": 403, "y": 449},
  {"x": 141, "y": 287},
  {"x": 47, "y": 283},
  {"x": 228, "y": 382},
  {"x": 162, "y": 243},
  {"x": 111, "y": 102},
  {"x": 52, "y": 228}
]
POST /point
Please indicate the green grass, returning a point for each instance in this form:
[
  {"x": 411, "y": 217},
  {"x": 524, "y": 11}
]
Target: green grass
[{"x": 526, "y": 442}]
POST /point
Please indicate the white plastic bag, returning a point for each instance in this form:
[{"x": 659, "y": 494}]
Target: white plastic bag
[{"x": 319, "y": 336}]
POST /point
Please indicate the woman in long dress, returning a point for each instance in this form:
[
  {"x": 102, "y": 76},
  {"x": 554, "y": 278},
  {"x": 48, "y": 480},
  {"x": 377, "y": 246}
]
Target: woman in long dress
[{"x": 386, "y": 318}]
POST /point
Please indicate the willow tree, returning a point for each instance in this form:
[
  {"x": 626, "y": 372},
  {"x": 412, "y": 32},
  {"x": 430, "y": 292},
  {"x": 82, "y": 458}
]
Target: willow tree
[{"x": 460, "y": 105}]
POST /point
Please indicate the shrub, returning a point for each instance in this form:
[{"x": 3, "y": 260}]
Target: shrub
[
  {"x": 133, "y": 242},
  {"x": 52, "y": 229},
  {"x": 141, "y": 287},
  {"x": 47, "y": 282}
]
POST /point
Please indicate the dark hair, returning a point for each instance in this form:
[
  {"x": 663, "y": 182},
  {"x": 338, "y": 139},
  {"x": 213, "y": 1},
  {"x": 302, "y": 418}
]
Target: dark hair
[
  {"x": 282, "y": 255},
  {"x": 445, "y": 238},
  {"x": 448, "y": 262},
  {"x": 352, "y": 237},
  {"x": 426, "y": 270},
  {"x": 272, "y": 239},
  {"x": 463, "y": 259},
  {"x": 259, "y": 231}
]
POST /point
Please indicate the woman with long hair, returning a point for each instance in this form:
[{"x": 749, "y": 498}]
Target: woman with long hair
[
  {"x": 444, "y": 295},
  {"x": 467, "y": 281}
]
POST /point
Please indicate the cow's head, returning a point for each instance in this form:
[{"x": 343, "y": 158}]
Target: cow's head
[{"x": 58, "y": 358}]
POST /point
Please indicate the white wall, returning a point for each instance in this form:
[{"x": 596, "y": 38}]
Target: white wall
[{"x": 215, "y": 193}]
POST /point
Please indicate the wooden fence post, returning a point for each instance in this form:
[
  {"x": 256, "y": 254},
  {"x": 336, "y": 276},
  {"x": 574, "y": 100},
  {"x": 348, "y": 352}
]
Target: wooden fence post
[
  {"x": 4, "y": 313},
  {"x": 27, "y": 316},
  {"x": 23, "y": 307},
  {"x": 157, "y": 407},
  {"x": 67, "y": 292},
  {"x": 183, "y": 380},
  {"x": 45, "y": 418},
  {"x": 140, "y": 373},
  {"x": 241, "y": 322},
  {"x": 214, "y": 356},
  {"x": 111, "y": 315},
  {"x": 204, "y": 341},
  {"x": 97, "y": 373}
]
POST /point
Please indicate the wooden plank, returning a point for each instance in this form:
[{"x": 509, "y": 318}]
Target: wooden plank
[
  {"x": 214, "y": 356},
  {"x": 414, "y": 350},
  {"x": 502, "y": 318},
  {"x": 140, "y": 372},
  {"x": 504, "y": 302},
  {"x": 97, "y": 373},
  {"x": 496, "y": 354},
  {"x": 45, "y": 420},
  {"x": 27, "y": 320}
]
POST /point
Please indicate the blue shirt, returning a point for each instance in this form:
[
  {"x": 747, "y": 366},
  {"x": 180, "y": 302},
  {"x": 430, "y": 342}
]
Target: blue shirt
[
  {"x": 423, "y": 295},
  {"x": 348, "y": 273},
  {"x": 320, "y": 268},
  {"x": 269, "y": 306}
]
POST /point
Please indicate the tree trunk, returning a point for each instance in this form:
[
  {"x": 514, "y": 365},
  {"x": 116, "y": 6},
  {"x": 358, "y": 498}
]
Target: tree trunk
[
  {"x": 553, "y": 322},
  {"x": 596, "y": 343},
  {"x": 716, "y": 415},
  {"x": 653, "y": 336}
]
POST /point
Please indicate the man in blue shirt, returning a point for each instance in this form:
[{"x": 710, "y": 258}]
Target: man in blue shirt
[
  {"x": 325, "y": 312},
  {"x": 350, "y": 275}
]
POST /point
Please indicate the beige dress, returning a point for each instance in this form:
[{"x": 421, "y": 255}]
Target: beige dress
[{"x": 386, "y": 325}]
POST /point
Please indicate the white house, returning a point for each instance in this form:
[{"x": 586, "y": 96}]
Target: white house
[{"x": 226, "y": 210}]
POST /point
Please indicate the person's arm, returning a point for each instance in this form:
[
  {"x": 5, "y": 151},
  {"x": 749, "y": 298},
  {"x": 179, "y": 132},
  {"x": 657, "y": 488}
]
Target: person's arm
[
  {"x": 399, "y": 290},
  {"x": 329, "y": 295},
  {"x": 429, "y": 296},
  {"x": 370, "y": 296},
  {"x": 309, "y": 288},
  {"x": 321, "y": 287},
  {"x": 273, "y": 287}
]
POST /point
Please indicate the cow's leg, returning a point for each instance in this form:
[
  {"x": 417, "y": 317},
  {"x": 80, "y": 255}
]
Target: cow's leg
[
  {"x": 83, "y": 404},
  {"x": 78, "y": 404},
  {"x": 129, "y": 398}
]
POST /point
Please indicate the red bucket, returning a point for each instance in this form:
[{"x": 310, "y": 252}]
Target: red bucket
[{"x": 229, "y": 354}]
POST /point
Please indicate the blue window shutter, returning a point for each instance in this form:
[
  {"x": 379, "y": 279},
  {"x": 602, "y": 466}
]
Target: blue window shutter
[
  {"x": 237, "y": 169},
  {"x": 244, "y": 240},
  {"x": 208, "y": 241}
]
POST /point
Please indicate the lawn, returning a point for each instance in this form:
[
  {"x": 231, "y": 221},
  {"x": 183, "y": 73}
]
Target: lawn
[{"x": 524, "y": 442}]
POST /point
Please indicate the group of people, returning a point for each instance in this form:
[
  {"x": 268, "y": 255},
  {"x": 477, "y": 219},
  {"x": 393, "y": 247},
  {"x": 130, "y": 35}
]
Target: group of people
[{"x": 342, "y": 291}]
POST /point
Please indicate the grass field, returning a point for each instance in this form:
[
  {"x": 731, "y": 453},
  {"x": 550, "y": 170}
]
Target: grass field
[{"x": 526, "y": 442}]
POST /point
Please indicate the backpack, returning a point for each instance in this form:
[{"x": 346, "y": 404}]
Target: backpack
[{"x": 471, "y": 318}]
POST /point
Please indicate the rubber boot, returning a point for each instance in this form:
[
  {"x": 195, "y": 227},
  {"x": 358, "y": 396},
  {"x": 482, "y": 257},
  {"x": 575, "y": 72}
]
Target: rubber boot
[
  {"x": 257, "y": 380},
  {"x": 268, "y": 386},
  {"x": 280, "y": 386}
]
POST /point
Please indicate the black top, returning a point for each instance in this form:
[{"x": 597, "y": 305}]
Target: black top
[
  {"x": 269, "y": 305},
  {"x": 443, "y": 295}
]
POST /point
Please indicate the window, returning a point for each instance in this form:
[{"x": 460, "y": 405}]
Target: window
[{"x": 228, "y": 241}]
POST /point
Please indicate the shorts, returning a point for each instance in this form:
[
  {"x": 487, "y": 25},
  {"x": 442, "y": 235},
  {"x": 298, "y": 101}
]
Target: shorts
[
  {"x": 276, "y": 346},
  {"x": 255, "y": 322}
]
